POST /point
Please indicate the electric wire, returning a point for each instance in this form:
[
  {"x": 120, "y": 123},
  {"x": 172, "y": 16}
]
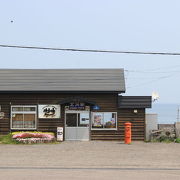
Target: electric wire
[
  {"x": 90, "y": 50},
  {"x": 150, "y": 82},
  {"x": 139, "y": 71},
  {"x": 111, "y": 51}
]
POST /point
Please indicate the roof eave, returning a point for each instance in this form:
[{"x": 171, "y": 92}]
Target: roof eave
[{"x": 52, "y": 91}]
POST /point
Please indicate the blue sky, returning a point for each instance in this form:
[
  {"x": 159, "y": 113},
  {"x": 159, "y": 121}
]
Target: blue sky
[{"x": 117, "y": 25}]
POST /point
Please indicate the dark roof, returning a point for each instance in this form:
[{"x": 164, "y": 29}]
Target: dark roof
[
  {"x": 134, "y": 101},
  {"x": 62, "y": 80}
]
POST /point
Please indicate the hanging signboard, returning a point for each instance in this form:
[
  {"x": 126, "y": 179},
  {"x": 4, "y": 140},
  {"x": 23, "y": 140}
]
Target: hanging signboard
[
  {"x": 49, "y": 111},
  {"x": 77, "y": 106}
]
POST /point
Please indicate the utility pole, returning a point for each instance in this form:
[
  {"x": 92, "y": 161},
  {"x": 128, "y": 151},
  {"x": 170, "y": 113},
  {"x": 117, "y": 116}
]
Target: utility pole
[{"x": 178, "y": 114}]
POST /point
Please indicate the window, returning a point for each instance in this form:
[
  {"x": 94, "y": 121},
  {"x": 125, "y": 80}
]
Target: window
[
  {"x": 104, "y": 120},
  {"x": 23, "y": 117},
  {"x": 77, "y": 119}
]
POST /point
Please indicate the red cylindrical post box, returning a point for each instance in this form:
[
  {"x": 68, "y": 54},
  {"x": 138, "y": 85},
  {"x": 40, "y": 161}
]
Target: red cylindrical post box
[{"x": 127, "y": 134}]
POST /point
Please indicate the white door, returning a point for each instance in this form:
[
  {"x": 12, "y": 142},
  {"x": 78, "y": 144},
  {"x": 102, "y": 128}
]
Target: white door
[{"x": 77, "y": 125}]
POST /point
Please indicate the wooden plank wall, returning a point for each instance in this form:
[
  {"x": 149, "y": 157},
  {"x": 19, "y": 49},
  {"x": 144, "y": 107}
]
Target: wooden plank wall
[
  {"x": 107, "y": 103},
  {"x": 137, "y": 120},
  {"x": 5, "y": 122},
  {"x": 124, "y": 115}
]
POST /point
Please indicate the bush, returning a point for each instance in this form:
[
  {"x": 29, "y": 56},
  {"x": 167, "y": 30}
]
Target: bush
[
  {"x": 177, "y": 140},
  {"x": 27, "y": 138},
  {"x": 166, "y": 139},
  {"x": 33, "y": 137},
  {"x": 34, "y": 132}
]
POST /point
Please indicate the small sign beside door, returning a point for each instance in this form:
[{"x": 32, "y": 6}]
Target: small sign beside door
[
  {"x": 2, "y": 114},
  {"x": 49, "y": 111},
  {"x": 59, "y": 133}
]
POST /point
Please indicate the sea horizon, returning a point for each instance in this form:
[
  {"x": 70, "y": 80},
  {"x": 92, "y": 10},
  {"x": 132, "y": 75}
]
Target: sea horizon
[{"x": 167, "y": 112}]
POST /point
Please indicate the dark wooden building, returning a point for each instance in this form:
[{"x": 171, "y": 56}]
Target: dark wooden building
[{"x": 88, "y": 103}]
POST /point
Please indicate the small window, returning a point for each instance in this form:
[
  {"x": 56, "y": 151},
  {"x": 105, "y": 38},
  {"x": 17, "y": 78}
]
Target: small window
[
  {"x": 17, "y": 109},
  {"x": 104, "y": 120},
  {"x": 23, "y": 117},
  {"x": 29, "y": 109},
  {"x": 83, "y": 119}
]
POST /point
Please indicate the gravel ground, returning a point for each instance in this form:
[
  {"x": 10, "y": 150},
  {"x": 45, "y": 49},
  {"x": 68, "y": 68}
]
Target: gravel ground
[{"x": 90, "y": 160}]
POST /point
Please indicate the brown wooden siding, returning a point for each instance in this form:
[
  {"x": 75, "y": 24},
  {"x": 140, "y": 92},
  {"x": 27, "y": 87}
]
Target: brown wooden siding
[
  {"x": 106, "y": 101},
  {"x": 137, "y": 120},
  {"x": 124, "y": 115}
]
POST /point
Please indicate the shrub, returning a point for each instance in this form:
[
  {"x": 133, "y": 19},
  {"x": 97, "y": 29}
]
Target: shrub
[
  {"x": 177, "y": 140},
  {"x": 164, "y": 138},
  {"x": 27, "y": 138},
  {"x": 17, "y": 132},
  {"x": 33, "y": 137}
]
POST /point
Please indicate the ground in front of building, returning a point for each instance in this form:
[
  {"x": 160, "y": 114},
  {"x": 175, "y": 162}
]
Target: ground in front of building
[{"x": 90, "y": 160}]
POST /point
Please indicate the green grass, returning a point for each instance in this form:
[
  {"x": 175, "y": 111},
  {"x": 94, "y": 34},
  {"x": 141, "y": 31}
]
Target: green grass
[
  {"x": 166, "y": 140},
  {"x": 7, "y": 139},
  {"x": 177, "y": 140}
]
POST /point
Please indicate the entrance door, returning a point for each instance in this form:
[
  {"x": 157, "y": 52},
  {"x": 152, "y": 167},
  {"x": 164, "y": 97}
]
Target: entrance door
[{"x": 77, "y": 126}]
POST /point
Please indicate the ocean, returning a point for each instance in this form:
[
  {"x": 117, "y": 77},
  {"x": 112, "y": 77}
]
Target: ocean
[{"x": 167, "y": 113}]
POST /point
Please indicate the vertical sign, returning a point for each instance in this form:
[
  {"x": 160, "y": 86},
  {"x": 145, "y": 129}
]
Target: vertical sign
[{"x": 59, "y": 133}]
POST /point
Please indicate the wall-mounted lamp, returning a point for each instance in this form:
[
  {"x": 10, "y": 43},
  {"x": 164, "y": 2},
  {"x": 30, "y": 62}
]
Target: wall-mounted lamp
[{"x": 135, "y": 111}]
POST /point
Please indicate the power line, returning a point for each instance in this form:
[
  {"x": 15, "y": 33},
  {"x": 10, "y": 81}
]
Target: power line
[
  {"x": 156, "y": 70},
  {"x": 152, "y": 81},
  {"x": 146, "y": 72},
  {"x": 90, "y": 50},
  {"x": 163, "y": 68}
]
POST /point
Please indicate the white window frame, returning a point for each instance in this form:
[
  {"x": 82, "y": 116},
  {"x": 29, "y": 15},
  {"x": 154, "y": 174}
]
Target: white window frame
[
  {"x": 24, "y": 112},
  {"x": 102, "y": 129},
  {"x": 77, "y": 112}
]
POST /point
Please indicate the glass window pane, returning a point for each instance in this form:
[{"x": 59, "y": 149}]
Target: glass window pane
[
  {"x": 29, "y": 109},
  {"x": 97, "y": 120},
  {"x": 17, "y": 109},
  {"x": 109, "y": 120},
  {"x": 71, "y": 119},
  {"x": 83, "y": 119},
  {"x": 23, "y": 120},
  {"x": 29, "y": 120},
  {"x": 17, "y": 120}
]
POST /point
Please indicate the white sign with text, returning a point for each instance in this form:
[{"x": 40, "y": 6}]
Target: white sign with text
[{"x": 49, "y": 111}]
